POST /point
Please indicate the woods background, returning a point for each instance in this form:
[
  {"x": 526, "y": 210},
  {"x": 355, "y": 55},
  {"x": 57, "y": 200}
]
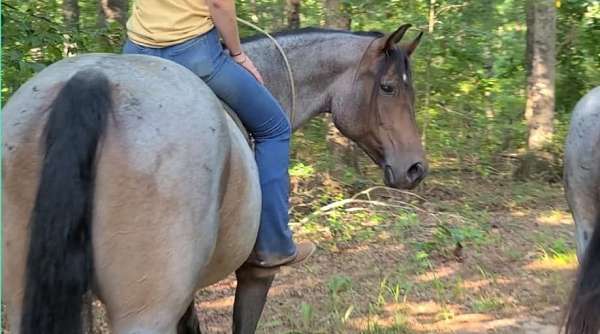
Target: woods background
[
  {"x": 485, "y": 243},
  {"x": 471, "y": 70}
]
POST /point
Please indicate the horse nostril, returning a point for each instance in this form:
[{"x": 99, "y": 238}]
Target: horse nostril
[
  {"x": 390, "y": 179},
  {"x": 415, "y": 173}
]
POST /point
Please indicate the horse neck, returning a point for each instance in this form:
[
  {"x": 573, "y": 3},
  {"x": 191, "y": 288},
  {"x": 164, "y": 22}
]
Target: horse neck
[{"x": 322, "y": 61}]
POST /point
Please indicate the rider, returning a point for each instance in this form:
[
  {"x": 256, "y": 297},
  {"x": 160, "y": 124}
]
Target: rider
[{"x": 187, "y": 32}]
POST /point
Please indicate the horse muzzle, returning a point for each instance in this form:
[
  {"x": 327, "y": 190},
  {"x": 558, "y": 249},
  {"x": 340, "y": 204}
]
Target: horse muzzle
[{"x": 407, "y": 178}]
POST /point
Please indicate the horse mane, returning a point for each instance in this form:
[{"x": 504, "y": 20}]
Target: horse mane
[{"x": 312, "y": 30}]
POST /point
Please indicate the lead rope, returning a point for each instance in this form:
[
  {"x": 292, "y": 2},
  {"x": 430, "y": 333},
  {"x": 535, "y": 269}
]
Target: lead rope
[{"x": 285, "y": 60}]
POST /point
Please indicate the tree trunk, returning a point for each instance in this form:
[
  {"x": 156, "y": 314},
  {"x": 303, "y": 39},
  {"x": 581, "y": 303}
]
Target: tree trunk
[
  {"x": 112, "y": 11},
  {"x": 335, "y": 17},
  {"x": 340, "y": 146},
  {"x": 293, "y": 14},
  {"x": 70, "y": 11},
  {"x": 254, "y": 11},
  {"x": 430, "y": 28},
  {"x": 541, "y": 59}
]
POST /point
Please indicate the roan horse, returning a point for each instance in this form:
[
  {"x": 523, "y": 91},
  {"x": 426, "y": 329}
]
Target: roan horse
[
  {"x": 124, "y": 176},
  {"x": 582, "y": 185}
]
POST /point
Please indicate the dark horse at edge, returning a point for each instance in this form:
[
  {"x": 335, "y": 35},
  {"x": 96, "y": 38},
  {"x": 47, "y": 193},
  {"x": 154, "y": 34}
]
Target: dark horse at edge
[{"x": 582, "y": 185}]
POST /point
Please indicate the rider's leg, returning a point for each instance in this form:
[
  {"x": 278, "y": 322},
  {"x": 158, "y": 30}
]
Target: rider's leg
[{"x": 262, "y": 115}]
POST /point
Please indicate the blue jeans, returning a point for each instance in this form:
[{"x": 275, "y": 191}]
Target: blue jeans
[{"x": 262, "y": 116}]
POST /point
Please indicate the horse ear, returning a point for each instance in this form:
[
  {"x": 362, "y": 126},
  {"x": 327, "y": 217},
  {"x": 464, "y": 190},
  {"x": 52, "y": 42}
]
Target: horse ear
[
  {"x": 396, "y": 36},
  {"x": 410, "y": 48}
]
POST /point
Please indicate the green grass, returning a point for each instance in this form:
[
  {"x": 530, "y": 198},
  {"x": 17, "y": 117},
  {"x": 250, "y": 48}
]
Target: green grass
[
  {"x": 487, "y": 304},
  {"x": 557, "y": 252},
  {"x": 394, "y": 329},
  {"x": 302, "y": 171}
]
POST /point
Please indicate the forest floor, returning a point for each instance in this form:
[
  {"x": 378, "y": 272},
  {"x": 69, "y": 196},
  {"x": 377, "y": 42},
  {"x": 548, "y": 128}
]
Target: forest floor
[{"x": 468, "y": 254}]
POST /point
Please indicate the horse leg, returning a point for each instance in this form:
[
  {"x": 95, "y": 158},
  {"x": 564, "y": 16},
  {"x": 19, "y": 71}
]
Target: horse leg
[
  {"x": 15, "y": 242},
  {"x": 188, "y": 324},
  {"x": 151, "y": 290},
  {"x": 154, "y": 235},
  {"x": 253, "y": 285},
  {"x": 19, "y": 186}
]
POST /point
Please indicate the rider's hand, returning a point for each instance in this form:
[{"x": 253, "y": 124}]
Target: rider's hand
[{"x": 246, "y": 63}]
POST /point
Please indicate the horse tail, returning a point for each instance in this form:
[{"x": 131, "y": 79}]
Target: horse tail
[
  {"x": 59, "y": 263},
  {"x": 584, "y": 305}
]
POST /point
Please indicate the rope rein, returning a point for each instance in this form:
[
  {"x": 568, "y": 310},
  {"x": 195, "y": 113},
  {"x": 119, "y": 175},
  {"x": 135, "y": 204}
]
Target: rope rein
[{"x": 285, "y": 60}]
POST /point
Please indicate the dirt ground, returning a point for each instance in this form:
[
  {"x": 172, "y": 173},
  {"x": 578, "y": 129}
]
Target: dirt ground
[{"x": 506, "y": 266}]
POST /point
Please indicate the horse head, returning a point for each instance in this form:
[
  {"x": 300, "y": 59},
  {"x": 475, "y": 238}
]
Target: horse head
[{"x": 377, "y": 110}]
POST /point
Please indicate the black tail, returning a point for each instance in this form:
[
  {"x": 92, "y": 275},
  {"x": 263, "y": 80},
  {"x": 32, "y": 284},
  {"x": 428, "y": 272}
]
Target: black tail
[
  {"x": 584, "y": 306},
  {"x": 59, "y": 263}
]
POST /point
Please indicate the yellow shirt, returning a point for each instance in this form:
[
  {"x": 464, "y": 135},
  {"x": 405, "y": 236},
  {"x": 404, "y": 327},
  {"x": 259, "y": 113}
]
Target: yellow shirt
[{"x": 160, "y": 23}]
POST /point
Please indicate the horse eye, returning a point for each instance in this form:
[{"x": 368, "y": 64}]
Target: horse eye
[{"x": 387, "y": 89}]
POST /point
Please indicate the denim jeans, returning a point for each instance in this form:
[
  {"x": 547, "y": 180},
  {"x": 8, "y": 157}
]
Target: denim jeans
[{"x": 262, "y": 116}]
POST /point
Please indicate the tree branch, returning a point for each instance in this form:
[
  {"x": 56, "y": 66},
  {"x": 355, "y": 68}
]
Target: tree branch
[{"x": 4, "y": 4}]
